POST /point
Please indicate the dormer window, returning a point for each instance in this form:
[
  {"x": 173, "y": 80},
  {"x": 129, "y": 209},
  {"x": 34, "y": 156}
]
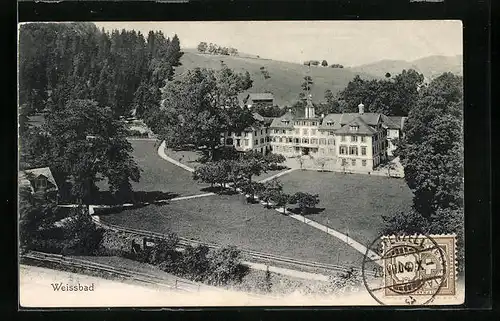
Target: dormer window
[
  {"x": 40, "y": 183},
  {"x": 329, "y": 123},
  {"x": 353, "y": 128}
]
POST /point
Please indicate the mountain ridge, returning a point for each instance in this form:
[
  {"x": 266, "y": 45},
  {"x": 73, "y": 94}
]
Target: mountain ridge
[{"x": 430, "y": 66}]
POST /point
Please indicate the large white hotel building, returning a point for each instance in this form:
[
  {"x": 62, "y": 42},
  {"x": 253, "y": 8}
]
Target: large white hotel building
[{"x": 360, "y": 141}]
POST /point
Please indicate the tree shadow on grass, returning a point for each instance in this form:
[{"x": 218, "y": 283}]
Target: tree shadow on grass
[
  {"x": 219, "y": 190},
  {"x": 137, "y": 197},
  {"x": 309, "y": 211}
]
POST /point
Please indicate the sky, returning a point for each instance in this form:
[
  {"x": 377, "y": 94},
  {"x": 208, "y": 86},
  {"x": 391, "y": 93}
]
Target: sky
[{"x": 349, "y": 43}]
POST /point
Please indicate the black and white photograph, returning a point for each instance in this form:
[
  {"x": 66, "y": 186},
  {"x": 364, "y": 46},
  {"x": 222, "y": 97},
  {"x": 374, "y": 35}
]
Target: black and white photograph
[{"x": 241, "y": 163}]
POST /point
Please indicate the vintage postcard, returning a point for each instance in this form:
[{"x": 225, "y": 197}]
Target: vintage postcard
[{"x": 241, "y": 163}]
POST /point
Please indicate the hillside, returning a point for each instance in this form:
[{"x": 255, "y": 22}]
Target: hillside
[
  {"x": 429, "y": 66},
  {"x": 286, "y": 78}
]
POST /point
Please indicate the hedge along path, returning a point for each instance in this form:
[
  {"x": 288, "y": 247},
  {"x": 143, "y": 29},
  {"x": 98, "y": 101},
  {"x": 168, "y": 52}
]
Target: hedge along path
[{"x": 342, "y": 237}]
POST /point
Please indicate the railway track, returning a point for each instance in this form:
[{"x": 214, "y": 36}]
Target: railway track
[
  {"x": 172, "y": 283},
  {"x": 250, "y": 255},
  {"x": 81, "y": 264}
]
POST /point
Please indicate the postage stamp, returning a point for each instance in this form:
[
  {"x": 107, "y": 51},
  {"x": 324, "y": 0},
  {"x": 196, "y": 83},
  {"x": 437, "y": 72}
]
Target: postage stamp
[{"x": 412, "y": 269}]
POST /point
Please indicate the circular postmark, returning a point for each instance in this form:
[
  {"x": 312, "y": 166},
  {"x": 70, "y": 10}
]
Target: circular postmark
[{"x": 404, "y": 269}]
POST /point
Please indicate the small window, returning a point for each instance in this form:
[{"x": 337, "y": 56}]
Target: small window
[
  {"x": 261, "y": 132},
  {"x": 353, "y": 162},
  {"x": 283, "y": 131},
  {"x": 363, "y": 139},
  {"x": 363, "y": 162},
  {"x": 256, "y": 142},
  {"x": 41, "y": 183},
  {"x": 313, "y": 131},
  {"x": 354, "y": 138},
  {"x": 342, "y": 138},
  {"x": 363, "y": 151}
]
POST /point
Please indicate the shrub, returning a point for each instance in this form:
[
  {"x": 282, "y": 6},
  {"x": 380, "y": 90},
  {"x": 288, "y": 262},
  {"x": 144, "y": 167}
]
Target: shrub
[
  {"x": 225, "y": 266},
  {"x": 194, "y": 263},
  {"x": 349, "y": 281},
  {"x": 274, "y": 160},
  {"x": 305, "y": 201}
]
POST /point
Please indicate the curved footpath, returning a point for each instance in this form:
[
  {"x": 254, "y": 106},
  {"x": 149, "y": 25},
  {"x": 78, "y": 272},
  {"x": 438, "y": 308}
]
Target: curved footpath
[{"x": 344, "y": 238}]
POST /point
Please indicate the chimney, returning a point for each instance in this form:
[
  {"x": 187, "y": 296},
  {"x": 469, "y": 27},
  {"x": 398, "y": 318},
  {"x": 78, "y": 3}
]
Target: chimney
[
  {"x": 322, "y": 115},
  {"x": 289, "y": 110},
  {"x": 361, "y": 109}
]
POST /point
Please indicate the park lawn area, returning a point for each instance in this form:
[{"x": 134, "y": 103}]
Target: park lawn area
[
  {"x": 159, "y": 175},
  {"x": 228, "y": 220},
  {"x": 353, "y": 203}
]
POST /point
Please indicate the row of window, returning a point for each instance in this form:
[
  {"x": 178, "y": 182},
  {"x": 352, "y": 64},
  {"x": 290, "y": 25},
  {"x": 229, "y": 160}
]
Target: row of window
[
  {"x": 246, "y": 142},
  {"x": 353, "y": 162},
  {"x": 245, "y": 134},
  {"x": 351, "y": 150},
  {"x": 354, "y": 138},
  {"x": 321, "y": 141},
  {"x": 296, "y": 131}
]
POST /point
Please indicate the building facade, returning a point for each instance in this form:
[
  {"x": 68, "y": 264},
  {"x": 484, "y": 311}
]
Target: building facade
[
  {"x": 358, "y": 141},
  {"x": 349, "y": 141},
  {"x": 254, "y": 138}
]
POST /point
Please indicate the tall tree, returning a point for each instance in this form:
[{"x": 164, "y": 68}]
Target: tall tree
[
  {"x": 202, "y": 47},
  {"x": 431, "y": 151},
  {"x": 202, "y": 105},
  {"x": 307, "y": 84},
  {"x": 86, "y": 144}
]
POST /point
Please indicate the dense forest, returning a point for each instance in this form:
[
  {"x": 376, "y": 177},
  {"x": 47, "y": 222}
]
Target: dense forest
[
  {"x": 84, "y": 80},
  {"x": 122, "y": 70}
]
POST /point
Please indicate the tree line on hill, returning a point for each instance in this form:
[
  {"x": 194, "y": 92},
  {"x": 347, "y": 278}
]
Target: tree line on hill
[
  {"x": 323, "y": 63},
  {"x": 215, "y": 49},
  {"x": 122, "y": 70}
]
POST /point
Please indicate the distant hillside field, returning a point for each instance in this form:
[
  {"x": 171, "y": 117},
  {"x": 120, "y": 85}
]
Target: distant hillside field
[
  {"x": 286, "y": 78},
  {"x": 430, "y": 67}
]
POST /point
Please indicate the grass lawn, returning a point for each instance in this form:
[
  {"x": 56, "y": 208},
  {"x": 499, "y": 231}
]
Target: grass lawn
[
  {"x": 351, "y": 202},
  {"x": 225, "y": 219},
  {"x": 158, "y": 175}
]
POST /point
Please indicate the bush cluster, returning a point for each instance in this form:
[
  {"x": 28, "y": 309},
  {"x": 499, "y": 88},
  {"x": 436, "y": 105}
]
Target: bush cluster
[{"x": 197, "y": 263}]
